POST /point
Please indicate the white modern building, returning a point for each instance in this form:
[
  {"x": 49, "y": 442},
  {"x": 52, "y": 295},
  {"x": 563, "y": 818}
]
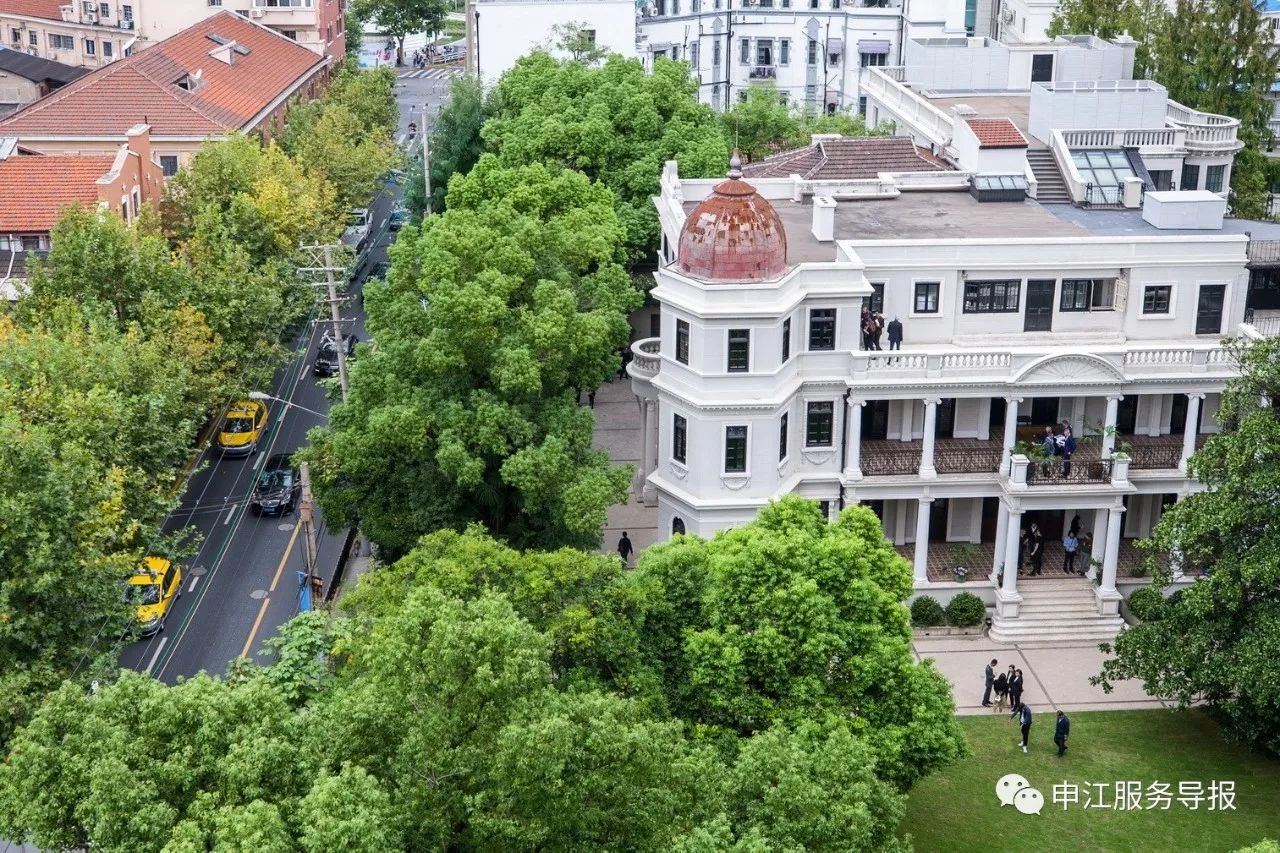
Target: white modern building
[
  {"x": 1017, "y": 315},
  {"x": 501, "y": 31}
]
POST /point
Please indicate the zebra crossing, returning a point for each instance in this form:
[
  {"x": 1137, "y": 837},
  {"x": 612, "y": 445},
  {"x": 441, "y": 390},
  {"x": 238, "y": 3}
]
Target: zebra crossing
[{"x": 431, "y": 73}]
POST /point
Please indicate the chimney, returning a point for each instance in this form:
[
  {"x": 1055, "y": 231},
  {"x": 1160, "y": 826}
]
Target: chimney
[{"x": 824, "y": 218}]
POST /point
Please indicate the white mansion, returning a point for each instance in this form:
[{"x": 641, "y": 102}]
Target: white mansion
[{"x": 1106, "y": 310}]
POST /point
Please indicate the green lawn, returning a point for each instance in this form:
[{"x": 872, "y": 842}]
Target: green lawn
[{"x": 957, "y": 809}]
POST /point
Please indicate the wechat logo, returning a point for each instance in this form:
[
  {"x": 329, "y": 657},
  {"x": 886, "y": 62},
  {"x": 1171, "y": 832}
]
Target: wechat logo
[{"x": 1014, "y": 790}]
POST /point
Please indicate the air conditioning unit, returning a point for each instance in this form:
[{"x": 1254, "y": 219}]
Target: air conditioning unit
[{"x": 255, "y": 13}]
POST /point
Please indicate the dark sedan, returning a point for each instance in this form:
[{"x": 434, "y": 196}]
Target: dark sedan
[
  {"x": 279, "y": 487},
  {"x": 327, "y": 356}
]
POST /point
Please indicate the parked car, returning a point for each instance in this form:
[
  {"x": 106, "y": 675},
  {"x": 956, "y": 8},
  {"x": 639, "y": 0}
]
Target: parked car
[
  {"x": 279, "y": 487},
  {"x": 242, "y": 428},
  {"x": 399, "y": 216},
  {"x": 153, "y": 589},
  {"x": 327, "y": 356}
]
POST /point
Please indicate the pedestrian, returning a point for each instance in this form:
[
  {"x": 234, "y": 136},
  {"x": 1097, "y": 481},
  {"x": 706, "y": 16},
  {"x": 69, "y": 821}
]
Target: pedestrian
[
  {"x": 1015, "y": 690},
  {"x": 1066, "y": 447},
  {"x": 1049, "y": 444},
  {"x": 895, "y": 334},
  {"x": 1036, "y": 550},
  {"x": 591, "y": 398},
  {"x": 1075, "y": 524},
  {"x": 1060, "y": 732},
  {"x": 624, "y": 549},
  {"x": 1023, "y": 715},
  {"x": 878, "y": 319},
  {"x": 989, "y": 679},
  {"x": 865, "y": 326},
  {"x": 626, "y": 359},
  {"x": 1070, "y": 544},
  {"x": 1002, "y": 692},
  {"x": 1086, "y": 553}
]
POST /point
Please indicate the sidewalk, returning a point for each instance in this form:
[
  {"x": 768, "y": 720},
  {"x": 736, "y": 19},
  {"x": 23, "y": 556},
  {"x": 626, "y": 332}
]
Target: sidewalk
[
  {"x": 1057, "y": 677},
  {"x": 617, "y": 433}
]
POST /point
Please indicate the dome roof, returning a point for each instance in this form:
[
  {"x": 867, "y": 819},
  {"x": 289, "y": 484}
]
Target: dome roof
[{"x": 733, "y": 235}]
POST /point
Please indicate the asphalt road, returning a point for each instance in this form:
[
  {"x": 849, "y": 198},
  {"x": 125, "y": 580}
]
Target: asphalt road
[{"x": 242, "y": 585}]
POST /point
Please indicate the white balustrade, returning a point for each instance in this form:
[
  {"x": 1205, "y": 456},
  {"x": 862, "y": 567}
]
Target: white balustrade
[
  {"x": 1158, "y": 356},
  {"x": 913, "y": 110},
  {"x": 645, "y": 358}
]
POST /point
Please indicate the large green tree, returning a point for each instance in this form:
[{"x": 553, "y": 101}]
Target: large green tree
[
  {"x": 399, "y": 18},
  {"x": 495, "y": 314},
  {"x": 763, "y": 124},
  {"x": 616, "y": 124},
  {"x": 1107, "y": 19},
  {"x": 455, "y": 145},
  {"x": 1218, "y": 640}
]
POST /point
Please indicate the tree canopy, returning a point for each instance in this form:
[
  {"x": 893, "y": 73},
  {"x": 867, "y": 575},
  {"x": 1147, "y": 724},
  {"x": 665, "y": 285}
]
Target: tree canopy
[
  {"x": 455, "y": 148},
  {"x": 763, "y": 124},
  {"x": 1216, "y": 641},
  {"x": 616, "y": 124}
]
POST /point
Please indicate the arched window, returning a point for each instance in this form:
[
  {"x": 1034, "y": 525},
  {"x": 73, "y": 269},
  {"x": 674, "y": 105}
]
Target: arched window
[{"x": 677, "y": 525}]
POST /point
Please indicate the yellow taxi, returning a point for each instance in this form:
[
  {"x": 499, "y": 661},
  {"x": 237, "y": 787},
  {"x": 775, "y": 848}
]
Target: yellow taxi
[
  {"x": 242, "y": 428},
  {"x": 153, "y": 590}
]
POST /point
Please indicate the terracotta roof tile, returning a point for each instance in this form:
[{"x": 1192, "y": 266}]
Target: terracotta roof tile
[
  {"x": 51, "y": 9},
  {"x": 144, "y": 87},
  {"x": 34, "y": 189},
  {"x": 997, "y": 133},
  {"x": 847, "y": 158}
]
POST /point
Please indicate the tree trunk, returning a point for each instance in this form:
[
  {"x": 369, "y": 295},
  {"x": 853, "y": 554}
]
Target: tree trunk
[{"x": 399, "y": 50}]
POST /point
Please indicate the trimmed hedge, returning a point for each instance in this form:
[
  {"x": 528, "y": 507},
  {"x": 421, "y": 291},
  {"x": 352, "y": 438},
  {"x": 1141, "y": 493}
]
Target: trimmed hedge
[
  {"x": 926, "y": 612},
  {"x": 1146, "y": 604},
  {"x": 966, "y": 610}
]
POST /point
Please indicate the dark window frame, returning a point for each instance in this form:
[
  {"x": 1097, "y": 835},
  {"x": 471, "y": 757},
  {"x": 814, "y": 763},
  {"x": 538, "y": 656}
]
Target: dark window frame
[
  {"x": 738, "y": 351},
  {"x": 682, "y": 341},
  {"x": 1157, "y": 298},
  {"x": 735, "y": 449},
  {"x": 993, "y": 296},
  {"x": 875, "y": 302},
  {"x": 932, "y": 293},
  {"x": 822, "y": 329},
  {"x": 786, "y": 340},
  {"x": 679, "y": 438},
  {"x": 1079, "y": 295},
  {"x": 819, "y": 423},
  {"x": 783, "y": 439}
]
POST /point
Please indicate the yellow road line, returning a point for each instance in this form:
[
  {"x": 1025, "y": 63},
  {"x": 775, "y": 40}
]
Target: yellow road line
[
  {"x": 288, "y": 549},
  {"x": 257, "y": 623}
]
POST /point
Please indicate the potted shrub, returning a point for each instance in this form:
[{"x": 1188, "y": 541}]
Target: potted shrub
[
  {"x": 964, "y": 554},
  {"x": 1146, "y": 604},
  {"x": 926, "y": 612},
  {"x": 966, "y": 610}
]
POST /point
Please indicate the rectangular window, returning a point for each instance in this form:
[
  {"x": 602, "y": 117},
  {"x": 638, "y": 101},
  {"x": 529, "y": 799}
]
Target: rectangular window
[
  {"x": 1213, "y": 178},
  {"x": 104, "y": 10},
  {"x": 817, "y": 425},
  {"x": 824, "y": 507},
  {"x": 813, "y": 52},
  {"x": 744, "y": 51},
  {"x": 786, "y": 340},
  {"x": 1155, "y": 298},
  {"x": 927, "y": 297},
  {"x": 813, "y": 4},
  {"x": 872, "y": 60},
  {"x": 811, "y": 93},
  {"x": 61, "y": 42},
  {"x": 822, "y": 329},
  {"x": 679, "y": 438},
  {"x": 1163, "y": 178},
  {"x": 862, "y": 105},
  {"x": 739, "y": 350},
  {"x": 784, "y": 51},
  {"x": 108, "y": 50},
  {"x": 782, "y": 436},
  {"x": 1087, "y": 294},
  {"x": 875, "y": 302},
  {"x": 34, "y": 38},
  {"x": 715, "y": 52},
  {"x": 991, "y": 297},
  {"x": 735, "y": 450},
  {"x": 169, "y": 164},
  {"x": 693, "y": 52},
  {"x": 1190, "y": 177},
  {"x": 682, "y": 341},
  {"x": 764, "y": 51},
  {"x": 126, "y": 12},
  {"x": 90, "y": 48},
  {"x": 16, "y": 34}
]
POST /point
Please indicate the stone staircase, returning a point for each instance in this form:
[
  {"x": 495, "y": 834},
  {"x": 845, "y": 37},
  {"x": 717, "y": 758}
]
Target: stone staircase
[
  {"x": 1056, "y": 611},
  {"x": 1050, "y": 187}
]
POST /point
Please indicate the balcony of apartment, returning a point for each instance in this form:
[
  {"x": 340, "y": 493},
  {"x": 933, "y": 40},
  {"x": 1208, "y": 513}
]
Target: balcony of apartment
[
  {"x": 289, "y": 14},
  {"x": 645, "y": 359},
  {"x": 1207, "y": 133},
  {"x": 762, "y": 72}
]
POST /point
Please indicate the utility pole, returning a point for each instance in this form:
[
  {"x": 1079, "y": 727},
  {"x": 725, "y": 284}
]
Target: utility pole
[
  {"x": 306, "y": 521},
  {"x": 325, "y": 255},
  {"x": 426, "y": 153}
]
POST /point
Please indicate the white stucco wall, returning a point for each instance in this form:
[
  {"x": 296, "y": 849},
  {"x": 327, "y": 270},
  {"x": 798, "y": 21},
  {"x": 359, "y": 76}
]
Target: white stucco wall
[{"x": 509, "y": 29}]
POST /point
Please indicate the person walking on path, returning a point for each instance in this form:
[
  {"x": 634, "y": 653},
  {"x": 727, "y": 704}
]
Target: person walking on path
[
  {"x": 1070, "y": 544},
  {"x": 989, "y": 679},
  {"x": 1060, "y": 732},
  {"x": 1015, "y": 690},
  {"x": 1024, "y": 716},
  {"x": 895, "y": 334},
  {"x": 624, "y": 549},
  {"x": 1036, "y": 550},
  {"x": 1002, "y": 692}
]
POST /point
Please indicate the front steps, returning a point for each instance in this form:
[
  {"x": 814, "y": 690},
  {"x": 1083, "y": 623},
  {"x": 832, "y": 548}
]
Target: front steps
[{"x": 1056, "y": 611}]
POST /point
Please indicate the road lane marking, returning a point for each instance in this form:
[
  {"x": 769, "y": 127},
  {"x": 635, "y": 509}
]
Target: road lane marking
[
  {"x": 257, "y": 623},
  {"x": 230, "y": 513},
  {"x": 156, "y": 656},
  {"x": 194, "y": 580},
  {"x": 288, "y": 549}
]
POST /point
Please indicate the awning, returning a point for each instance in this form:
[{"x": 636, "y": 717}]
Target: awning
[
  {"x": 873, "y": 46},
  {"x": 837, "y": 46},
  {"x": 659, "y": 46}
]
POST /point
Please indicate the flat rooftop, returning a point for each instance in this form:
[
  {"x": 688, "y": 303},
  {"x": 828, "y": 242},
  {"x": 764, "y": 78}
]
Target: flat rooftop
[
  {"x": 957, "y": 215},
  {"x": 1015, "y": 106}
]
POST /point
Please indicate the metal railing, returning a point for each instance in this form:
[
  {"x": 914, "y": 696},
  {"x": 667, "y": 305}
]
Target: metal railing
[
  {"x": 762, "y": 72},
  {"x": 1056, "y": 472},
  {"x": 1155, "y": 457},
  {"x": 883, "y": 462},
  {"x": 1097, "y": 195},
  {"x": 978, "y": 459}
]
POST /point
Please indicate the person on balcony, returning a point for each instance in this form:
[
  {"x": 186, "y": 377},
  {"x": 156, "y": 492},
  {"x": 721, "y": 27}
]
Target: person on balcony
[
  {"x": 878, "y": 319},
  {"x": 895, "y": 334},
  {"x": 1049, "y": 444},
  {"x": 1066, "y": 446}
]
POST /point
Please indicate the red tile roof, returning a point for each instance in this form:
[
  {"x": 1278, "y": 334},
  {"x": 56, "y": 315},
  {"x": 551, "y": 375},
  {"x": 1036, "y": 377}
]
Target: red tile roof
[
  {"x": 51, "y": 9},
  {"x": 847, "y": 158},
  {"x": 34, "y": 189},
  {"x": 997, "y": 133},
  {"x": 143, "y": 88}
]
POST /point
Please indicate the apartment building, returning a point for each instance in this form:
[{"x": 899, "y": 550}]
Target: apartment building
[
  {"x": 93, "y": 33},
  {"x": 501, "y": 31},
  {"x": 1106, "y": 312}
]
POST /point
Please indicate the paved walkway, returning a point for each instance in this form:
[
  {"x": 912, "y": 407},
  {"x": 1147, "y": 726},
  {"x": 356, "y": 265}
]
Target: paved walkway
[
  {"x": 1057, "y": 677},
  {"x": 618, "y": 434}
]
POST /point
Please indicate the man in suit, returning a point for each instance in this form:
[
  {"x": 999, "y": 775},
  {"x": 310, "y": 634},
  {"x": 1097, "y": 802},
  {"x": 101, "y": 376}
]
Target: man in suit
[
  {"x": 1036, "y": 552},
  {"x": 1024, "y": 716},
  {"x": 1060, "y": 733},
  {"x": 990, "y": 678},
  {"x": 895, "y": 334}
]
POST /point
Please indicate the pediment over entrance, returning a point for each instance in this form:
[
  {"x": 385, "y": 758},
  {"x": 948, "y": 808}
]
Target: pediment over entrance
[{"x": 1072, "y": 369}]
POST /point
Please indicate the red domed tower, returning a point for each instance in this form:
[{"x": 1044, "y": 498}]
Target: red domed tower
[{"x": 733, "y": 235}]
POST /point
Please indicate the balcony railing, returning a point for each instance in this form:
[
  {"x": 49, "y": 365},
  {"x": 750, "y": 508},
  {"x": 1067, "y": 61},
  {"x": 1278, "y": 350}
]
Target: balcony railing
[
  {"x": 1207, "y": 133},
  {"x": 645, "y": 358},
  {"x": 977, "y": 457},
  {"x": 763, "y": 72},
  {"x": 909, "y": 108},
  {"x": 1055, "y": 472},
  {"x": 882, "y": 459},
  {"x": 1165, "y": 137}
]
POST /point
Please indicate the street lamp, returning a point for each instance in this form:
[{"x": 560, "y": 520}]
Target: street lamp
[{"x": 260, "y": 395}]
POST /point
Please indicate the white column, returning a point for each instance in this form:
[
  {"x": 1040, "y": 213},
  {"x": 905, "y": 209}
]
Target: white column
[
  {"x": 644, "y": 438},
  {"x": 1098, "y": 551},
  {"x": 1014, "y": 526},
  {"x": 1111, "y": 554},
  {"x": 908, "y": 419},
  {"x": 649, "y": 437},
  {"x": 1002, "y": 530},
  {"x": 853, "y": 453},
  {"x": 922, "y": 542},
  {"x": 1189, "y": 432},
  {"x": 930, "y": 426},
  {"x": 1010, "y": 430},
  {"x": 1109, "y": 425}
]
